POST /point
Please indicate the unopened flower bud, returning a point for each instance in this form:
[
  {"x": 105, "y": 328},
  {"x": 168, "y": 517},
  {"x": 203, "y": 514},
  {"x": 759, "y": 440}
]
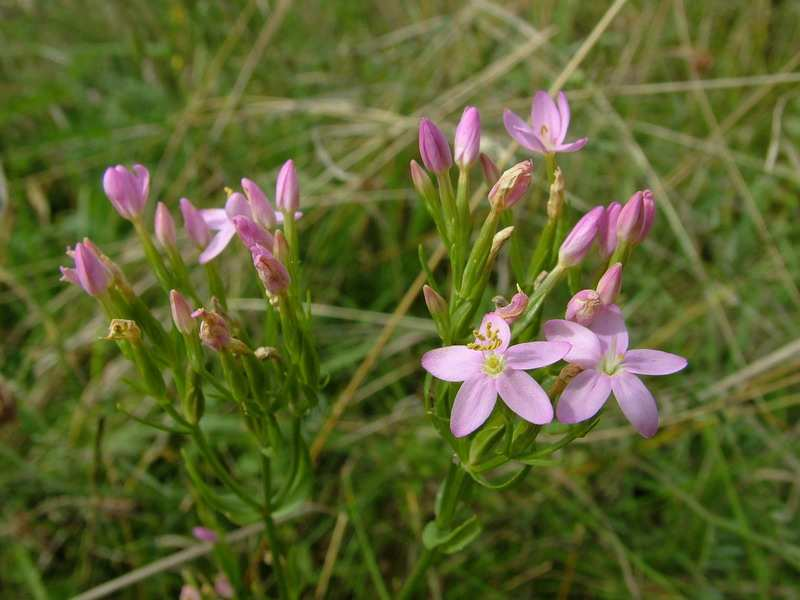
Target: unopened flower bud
[
  {"x": 204, "y": 534},
  {"x": 490, "y": 171},
  {"x": 127, "y": 190},
  {"x": 583, "y": 307},
  {"x": 511, "y": 186},
  {"x": 124, "y": 329},
  {"x": 437, "y": 305},
  {"x": 181, "y": 313},
  {"x": 499, "y": 239},
  {"x": 223, "y": 587},
  {"x": 195, "y": 225},
  {"x": 270, "y": 270},
  {"x": 433, "y": 147},
  {"x": 250, "y": 233},
  {"x": 649, "y": 214},
  {"x": 610, "y": 284},
  {"x": 631, "y": 219},
  {"x": 607, "y": 234},
  {"x": 579, "y": 241},
  {"x": 165, "y": 226},
  {"x": 262, "y": 210},
  {"x": 555, "y": 202},
  {"x": 511, "y": 311},
  {"x": 287, "y": 189},
  {"x": 90, "y": 272},
  {"x": 422, "y": 183},
  {"x": 467, "y": 143},
  {"x": 189, "y": 592},
  {"x": 280, "y": 247}
]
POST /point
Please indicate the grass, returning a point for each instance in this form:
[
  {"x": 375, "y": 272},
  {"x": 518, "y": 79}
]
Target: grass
[{"x": 698, "y": 101}]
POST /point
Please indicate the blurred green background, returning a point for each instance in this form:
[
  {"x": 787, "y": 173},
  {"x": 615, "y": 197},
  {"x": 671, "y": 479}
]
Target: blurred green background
[{"x": 697, "y": 100}]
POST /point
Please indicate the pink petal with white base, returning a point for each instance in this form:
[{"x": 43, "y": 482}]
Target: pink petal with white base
[
  {"x": 474, "y": 403},
  {"x": 609, "y": 327},
  {"x": 584, "y": 396},
  {"x": 534, "y": 355},
  {"x": 586, "y": 350},
  {"x": 453, "y": 363},
  {"x": 636, "y": 402},
  {"x": 545, "y": 114},
  {"x": 525, "y": 396},
  {"x": 653, "y": 362},
  {"x": 217, "y": 244}
]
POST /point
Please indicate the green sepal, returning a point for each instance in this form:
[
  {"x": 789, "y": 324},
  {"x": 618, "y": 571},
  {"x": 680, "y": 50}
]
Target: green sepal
[{"x": 453, "y": 540}]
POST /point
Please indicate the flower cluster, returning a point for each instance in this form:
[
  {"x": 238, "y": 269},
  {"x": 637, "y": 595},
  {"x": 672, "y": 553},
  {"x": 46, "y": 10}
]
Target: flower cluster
[{"x": 273, "y": 385}]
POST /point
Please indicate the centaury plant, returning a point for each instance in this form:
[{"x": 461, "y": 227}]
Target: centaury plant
[
  {"x": 502, "y": 357},
  {"x": 271, "y": 378}
]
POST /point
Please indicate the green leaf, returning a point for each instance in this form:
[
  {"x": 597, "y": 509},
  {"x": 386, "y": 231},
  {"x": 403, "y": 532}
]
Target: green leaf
[{"x": 453, "y": 540}]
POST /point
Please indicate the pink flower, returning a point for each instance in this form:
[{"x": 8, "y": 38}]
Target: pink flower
[
  {"x": 127, "y": 190},
  {"x": 89, "y": 273},
  {"x": 222, "y": 221},
  {"x": 467, "y": 143},
  {"x": 250, "y": 233},
  {"x": 204, "y": 534},
  {"x": 433, "y": 147},
  {"x": 548, "y": 127},
  {"x": 579, "y": 240},
  {"x": 189, "y": 592},
  {"x": 607, "y": 235},
  {"x": 489, "y": 367},
  {"x": 514, "y": 309},
  {"x": 262, "y": 210},
  {"x": 584, "y": 305},
  {"x": 181, "y": 313},
  {"x": 602, "y": 352},
  {"x": 287, "y": 188},
  {"x": 164, "y": 226},
  {"x": 196, "y": 227},
  {"x": 223, "y": 587}
]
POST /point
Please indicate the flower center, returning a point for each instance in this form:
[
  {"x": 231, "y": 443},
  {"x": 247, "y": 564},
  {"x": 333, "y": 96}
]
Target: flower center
[
  {"x": 612, "y": 363},
  {"x": 493, "y": 365},
  {"x": 486, "y": 341},
  {"x": 544, "y": 134}
]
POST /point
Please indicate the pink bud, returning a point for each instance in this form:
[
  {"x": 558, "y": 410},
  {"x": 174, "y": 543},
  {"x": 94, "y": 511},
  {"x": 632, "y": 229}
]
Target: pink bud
[
  {"x": 127, "y": 190},
  {"x": 433, "y": 147},
  {"x": 490, "y": 171},
  {"x": 263, "y": 214},
  {"x": 195, "y": 225},
  {"x": 214, "y": 330},
  {"x": 287, "y": 189},
  {"x": 164, "y": 226},
  {"x": 223, "y": 587},
  {"x": 272, "y": 273},
  {"x": 579, "y": 240},
  {"x": 610, "y": 284},
  {"x": 422, "y": 183},
  {"x": 649, "y": 214},
  {"x": 514, "y": 309},
  {"x": 437, "y": 305},
  {"x": 250, "y": 233},
  {"x": 631, "y": 219},
  {"x": 280, "y": 249},
  {"x": 583, "y": 307},
  {"x": 512, "y": 185},
  {"x": 189, "y": 592},
  {"x": 181, "y": 312},
  {"x": 204, "y": 534},
  {"x": 468, "y": 137},
  {"x": 89, "y": 272},
  {"x": 607, "y": 234}
]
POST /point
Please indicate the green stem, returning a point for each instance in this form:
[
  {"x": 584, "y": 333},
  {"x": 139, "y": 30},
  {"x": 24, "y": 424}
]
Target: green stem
[
  {"x": 536, "y": 300},
  {"x": 152, "y": 255},
  {"x": 271, "y": 531},
  {"x": 417, "y": 573},
  {"x": 215, "y": 285}
]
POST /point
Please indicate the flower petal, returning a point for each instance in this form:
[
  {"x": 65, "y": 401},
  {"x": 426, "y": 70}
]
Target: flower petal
[
  {"x": 584, "y": 396},
  {"x": 534, "y": 355},
  {"x": 545, "y": 114},
  {"x": 215, "y": 218},
  {"x": 453, "y": 363},
  {"x": 653, "y": 362},
  {"x": 499, "y": 330},
  {"x": 525, "y": 396},
  {"x": 217, "y": 244},
  {"x": 564, "y": 114},
  {"x": 521, "y": 132},
  {"x": 237, "y": 205},
  {"x": 279, "y": 216},
  {"x": 636, "y": 402},
  {"x": 586, "y": 349},
  {"x": 609, "y": 326},
  {"x": 572, "y": 146},
  {"x": 474, "y": 403}
]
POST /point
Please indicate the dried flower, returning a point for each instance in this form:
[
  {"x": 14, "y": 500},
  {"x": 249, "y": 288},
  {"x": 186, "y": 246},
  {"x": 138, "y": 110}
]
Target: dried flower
[
  {"x": 511, "y": 311},
  {"x": 124, "y": 329},
  {"x": 512, "y": 185},
  {"x": 270, "y": 270}
]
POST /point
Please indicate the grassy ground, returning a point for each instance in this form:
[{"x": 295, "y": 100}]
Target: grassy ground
[{"x": 697, "y": 100}]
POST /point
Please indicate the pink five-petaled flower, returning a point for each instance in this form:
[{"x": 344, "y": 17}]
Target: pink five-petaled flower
[
  {"x": 489, "y": 367},
  {"x": 602, "y": 352},
  {"x": 89, "y": 273},
  {"x": 548, "y": 127}
]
